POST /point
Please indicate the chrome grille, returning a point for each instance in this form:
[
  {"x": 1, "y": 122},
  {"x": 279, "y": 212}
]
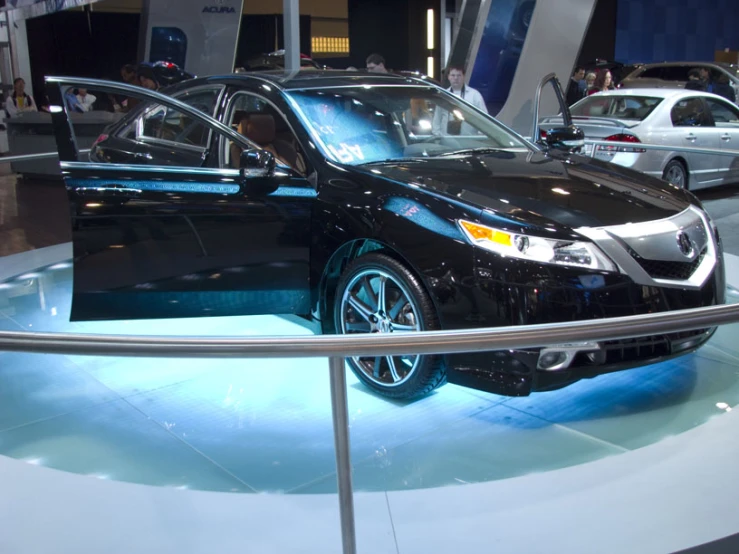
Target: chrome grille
[{"x": 654, "y": 253}]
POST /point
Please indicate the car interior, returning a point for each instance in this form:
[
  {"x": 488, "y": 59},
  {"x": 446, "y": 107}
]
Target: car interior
[
  {"x": 264, "y": 126},
  {"x": 689, "y": 113}
]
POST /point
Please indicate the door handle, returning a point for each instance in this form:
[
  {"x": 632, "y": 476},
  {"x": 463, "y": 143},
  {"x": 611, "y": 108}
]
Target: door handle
[
  {"x": 691, "y": 137},
  {"x": 725, "y": 137}
]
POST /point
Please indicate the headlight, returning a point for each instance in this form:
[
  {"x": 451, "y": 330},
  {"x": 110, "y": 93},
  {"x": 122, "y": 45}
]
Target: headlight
[{"x": 537, "y": 249}]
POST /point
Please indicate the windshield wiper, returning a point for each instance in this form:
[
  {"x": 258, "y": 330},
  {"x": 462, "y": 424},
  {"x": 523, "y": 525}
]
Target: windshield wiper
[
  {"x": 466, "y": 151},
  {"x": 391, "y": 161}
]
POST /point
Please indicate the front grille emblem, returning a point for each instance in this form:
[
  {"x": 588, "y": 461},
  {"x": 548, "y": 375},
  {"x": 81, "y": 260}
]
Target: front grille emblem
[{"x": 685, "y": 244}]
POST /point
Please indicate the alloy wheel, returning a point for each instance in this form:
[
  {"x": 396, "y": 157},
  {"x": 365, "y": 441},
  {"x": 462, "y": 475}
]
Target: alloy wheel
[
  {"x": 675, "y": 174},
  {"x": 375, "y": 302}
]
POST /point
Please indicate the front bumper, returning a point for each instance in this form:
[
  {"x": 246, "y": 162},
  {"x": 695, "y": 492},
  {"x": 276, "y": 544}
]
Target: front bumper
[{"x": 511, "y": 292}]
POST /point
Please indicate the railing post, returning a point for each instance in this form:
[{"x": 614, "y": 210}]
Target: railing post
[{"x": 340, "y": 412}]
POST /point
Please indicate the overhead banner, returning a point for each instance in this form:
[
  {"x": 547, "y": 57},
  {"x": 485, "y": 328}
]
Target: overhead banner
[
  {"x": 198, "y": 35},
  {"x": 26, "y": 9}
]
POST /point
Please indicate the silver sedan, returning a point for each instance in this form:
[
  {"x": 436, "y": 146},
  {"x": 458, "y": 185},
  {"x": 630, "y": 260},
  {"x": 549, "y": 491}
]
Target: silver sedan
[{"x": 669, "y": 117}]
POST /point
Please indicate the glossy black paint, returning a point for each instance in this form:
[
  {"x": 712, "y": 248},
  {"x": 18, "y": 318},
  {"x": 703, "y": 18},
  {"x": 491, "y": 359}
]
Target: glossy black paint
[{"x": 142, "y": 252}]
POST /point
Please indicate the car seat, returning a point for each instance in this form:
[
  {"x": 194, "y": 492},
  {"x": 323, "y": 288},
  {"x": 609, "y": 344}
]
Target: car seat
[{"x": 260, "y": 129}]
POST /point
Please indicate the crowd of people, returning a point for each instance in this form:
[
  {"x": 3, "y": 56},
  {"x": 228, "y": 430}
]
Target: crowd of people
[
  {"x": 145, "y": 75},
  {"x": 583, "y": 84}
]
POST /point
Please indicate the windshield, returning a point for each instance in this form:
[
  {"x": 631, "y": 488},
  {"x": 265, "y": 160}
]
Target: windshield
[
  {"x": 365, "y": 124},
  {"x": 616, "y": 107}
]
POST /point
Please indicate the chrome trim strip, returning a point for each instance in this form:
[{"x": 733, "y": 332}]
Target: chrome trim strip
[
  {"x": 364, "y": 85},
  {"x": 150, "y": 169},
  {"x": 137, "y": 187},
  {"x": 608, "y": 240}
]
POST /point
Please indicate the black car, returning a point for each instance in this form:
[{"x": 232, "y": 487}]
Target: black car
[
  {"x": 377, "y": 204},
  {"x": 276, "y": 61}
]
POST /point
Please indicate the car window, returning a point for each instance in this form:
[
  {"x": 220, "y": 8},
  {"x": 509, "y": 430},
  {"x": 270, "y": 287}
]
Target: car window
[
  {"x": 205, "y": 100},
  {"x": 689, "y": 112},
  {"x": 616, "y": 107},
  {"x": 675, "y": 73},
  {"x": 259, "y": 121},
  {"x": 651, "y": 73},
  {"x": 161, "y": 125},
  {"x": 724, "y": 114}
]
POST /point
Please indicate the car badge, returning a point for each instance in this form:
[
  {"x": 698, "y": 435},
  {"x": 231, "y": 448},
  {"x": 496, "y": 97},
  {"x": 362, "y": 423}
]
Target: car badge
[{"x": 685, "y": 244}]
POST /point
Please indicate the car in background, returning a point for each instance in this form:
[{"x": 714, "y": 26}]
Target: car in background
[
  {"x": 670, "y": 117},
  {"x": 168, "y": 73},
  {"x": 276, "y": 61},
  {"x": 618, "y": 70},
  {"x": 675, "y": 75},
  {"x": 387, "y": 226}
]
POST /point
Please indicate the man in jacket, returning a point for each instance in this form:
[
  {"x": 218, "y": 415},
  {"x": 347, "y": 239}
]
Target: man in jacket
[
  {"x": 443, "y": 123},
  {"x": 576, "y": 90}
]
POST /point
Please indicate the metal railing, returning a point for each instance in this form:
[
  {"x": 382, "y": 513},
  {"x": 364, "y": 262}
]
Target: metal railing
[{"x": 338, "y": 347}]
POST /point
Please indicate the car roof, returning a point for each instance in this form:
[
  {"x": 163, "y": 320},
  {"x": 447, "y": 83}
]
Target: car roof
[
  {"x": 298, "y": 80},
  {"x": 723, "y": 65},
  {"x": 658, "y": 92}
]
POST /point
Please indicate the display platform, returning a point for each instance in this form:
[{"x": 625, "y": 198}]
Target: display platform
[{"x": 264, "y": 425}]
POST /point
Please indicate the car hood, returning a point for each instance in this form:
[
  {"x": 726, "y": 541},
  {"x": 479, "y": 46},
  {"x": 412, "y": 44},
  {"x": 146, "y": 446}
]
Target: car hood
[{"x": 535, "y": 188}]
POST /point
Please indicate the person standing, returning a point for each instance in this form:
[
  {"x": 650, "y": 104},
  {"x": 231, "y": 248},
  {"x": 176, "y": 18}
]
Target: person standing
[
  {"x": 19, "y": 101},
  {"x": 603, "y": 82},
  {"x": 722, "y": 87},
  {"x": 576, "y": 90},
  {"x": 455, "y": 74},
  {"x": 147, "y": 77},
  {"x": 705, "y": 76},
  {"x": 376, "y": 64},
  {"x": 443, "y": 123},
  {"x": 694, "y": 81},
  {"x": 85, "y": 99}
]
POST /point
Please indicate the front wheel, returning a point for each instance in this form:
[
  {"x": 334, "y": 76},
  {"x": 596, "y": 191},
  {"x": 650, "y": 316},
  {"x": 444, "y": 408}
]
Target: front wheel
[
  {"x": 676, "y": 174},
  {"x": 378, "y": 294}
]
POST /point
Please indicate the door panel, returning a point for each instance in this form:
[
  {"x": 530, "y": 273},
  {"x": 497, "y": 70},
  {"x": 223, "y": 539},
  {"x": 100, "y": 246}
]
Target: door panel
[
  {"x": 693, "y": 127},
  {"x": 161, "y": 238},
  {"x": 726, "y": 119}
]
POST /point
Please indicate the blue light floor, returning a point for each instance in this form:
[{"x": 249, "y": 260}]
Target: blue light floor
[{"x": 265, "y": 425}]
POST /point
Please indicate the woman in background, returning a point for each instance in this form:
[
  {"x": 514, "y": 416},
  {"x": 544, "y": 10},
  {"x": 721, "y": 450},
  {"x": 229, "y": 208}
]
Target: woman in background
[{"x": 603, "y": 82}]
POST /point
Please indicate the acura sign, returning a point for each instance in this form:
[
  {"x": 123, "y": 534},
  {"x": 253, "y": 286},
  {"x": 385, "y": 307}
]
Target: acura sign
[{"x": 199, "y": 35}]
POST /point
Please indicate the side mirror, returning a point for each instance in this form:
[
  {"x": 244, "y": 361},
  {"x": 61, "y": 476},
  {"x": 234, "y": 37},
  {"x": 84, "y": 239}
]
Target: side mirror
[
  {"x": 570, "y": 139},
  {"x": 256, "y": 173},
  {"x": 256, "y": 163}
]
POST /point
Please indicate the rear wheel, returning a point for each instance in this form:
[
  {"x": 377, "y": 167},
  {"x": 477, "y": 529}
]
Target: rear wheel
[
  {"x": 378, "y": 294},
  {"x": 676, "y": 173}
]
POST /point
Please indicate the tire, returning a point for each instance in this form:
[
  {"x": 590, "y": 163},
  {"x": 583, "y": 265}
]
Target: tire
[
  {"x": 676, "y": 173},
  {"x": 357, "y": 310}
]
